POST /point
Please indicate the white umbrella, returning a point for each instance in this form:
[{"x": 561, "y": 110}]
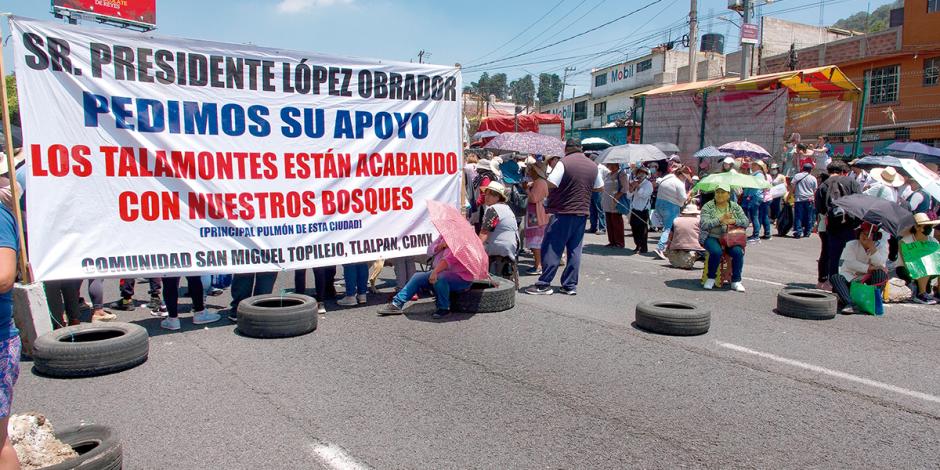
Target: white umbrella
[
  {"x": 927, "y": 179},
  {"x": 631, "y": 153},
  {"x": 484, "y": 134}
]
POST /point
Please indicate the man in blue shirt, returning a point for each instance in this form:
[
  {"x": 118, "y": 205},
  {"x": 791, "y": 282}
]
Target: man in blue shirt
[{"x": 9, "y": 336}]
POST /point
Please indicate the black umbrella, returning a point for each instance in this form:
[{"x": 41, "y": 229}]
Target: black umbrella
[
  {"x": 17, "y": 134},
  {"x": 667, "y": 147},
  {"x": 886, "y": 214},
  {"x": 878, "y": 161}
]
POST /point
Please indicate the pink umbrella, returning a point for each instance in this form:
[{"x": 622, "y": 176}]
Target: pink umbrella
[
  {"x": 528, "y": 142},
  {"x": 743, "y": 148},
  {"x": 460, "y": 238}
]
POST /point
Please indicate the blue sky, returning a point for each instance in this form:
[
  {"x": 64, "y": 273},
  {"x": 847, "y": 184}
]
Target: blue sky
[{"x": 466, "y": 32}]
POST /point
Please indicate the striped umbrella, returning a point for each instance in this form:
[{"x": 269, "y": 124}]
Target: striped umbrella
[{"x": 711, "y": 152}]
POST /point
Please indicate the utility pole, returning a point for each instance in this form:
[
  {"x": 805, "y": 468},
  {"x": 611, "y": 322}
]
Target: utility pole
[
  {"x": 693, "y": 36},
  {"x": 746, "y": 48},
  {"x": 564, "y": 82},
  {"x": 421, "y": 55}
]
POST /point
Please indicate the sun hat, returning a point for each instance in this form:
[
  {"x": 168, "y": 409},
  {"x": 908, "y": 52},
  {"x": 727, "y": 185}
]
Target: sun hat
[
  {"x": 728, "y": 160},
  {"x": 484, "y": 164},
  {"x": 642, "y": 168},
  {"x": 510, "y": 171},
  {"x": 887, "y": 176},
  {"x": 497, "y": 188},
  {"x": 573, "y": 143},
  {"x": 537, "y": 167},
  {"x": 923, "y": 219},
  {"x": 774, "y": 166},
  {"x": 690, "y": 208}
]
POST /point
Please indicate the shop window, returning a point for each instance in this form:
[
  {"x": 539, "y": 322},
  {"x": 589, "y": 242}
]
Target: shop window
[
  {"x": 600, "y": 80},
  {"x": 931, "y": 71},
  {"x": 644, "y": 65},
  {"x": 883, "y": 85},
  {"x": 580, "y": 111},
  {"x": 600, "y": 109}
]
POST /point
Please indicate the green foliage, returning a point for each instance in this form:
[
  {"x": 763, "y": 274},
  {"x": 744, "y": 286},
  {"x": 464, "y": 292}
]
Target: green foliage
[
  {"x": 12, "y": 101},
  {"x": 863, "y": 22},
  {"x": 488, "y": 85},
  {"x": 550, "y": 87},
  {"x": 523, "y": 91}
]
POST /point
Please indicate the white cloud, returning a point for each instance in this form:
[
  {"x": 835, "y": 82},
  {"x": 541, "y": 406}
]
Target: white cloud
[{"x": 296, "y": 6}]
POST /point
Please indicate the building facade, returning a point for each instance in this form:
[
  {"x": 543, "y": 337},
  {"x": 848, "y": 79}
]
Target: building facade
[{"x": 900, "y": 69}]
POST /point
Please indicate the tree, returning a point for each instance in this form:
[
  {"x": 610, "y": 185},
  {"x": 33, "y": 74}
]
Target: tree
[
  {"x": 863, "y": 22},
  {"x": 14, "y": 104},
  {"x": 498, "y": 85},
  {"x": 523, "y": 91},
  {"x": 550, "y": 86}
]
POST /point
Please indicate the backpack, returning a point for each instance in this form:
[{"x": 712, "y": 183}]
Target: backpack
[{"x": 517, "y": 200}]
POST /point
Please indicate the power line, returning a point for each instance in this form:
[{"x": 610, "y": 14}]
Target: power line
[
  {"x": 573, "y": 36},
  {"x": 550, "y": 10}
]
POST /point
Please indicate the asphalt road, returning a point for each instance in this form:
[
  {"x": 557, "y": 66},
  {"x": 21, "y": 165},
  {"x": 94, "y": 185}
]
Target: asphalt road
[{"x": 560, "y": 382}]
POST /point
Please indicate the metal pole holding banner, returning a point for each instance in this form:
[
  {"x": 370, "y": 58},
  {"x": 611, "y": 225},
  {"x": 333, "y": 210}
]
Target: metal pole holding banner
[
  {"x": 4, "y": 102},
  {"x": 857, "y": 148},
  {"x": 642, "y": 117},
  {"x": 463, "y": 158},
  {"x": 745, "y": 47}
]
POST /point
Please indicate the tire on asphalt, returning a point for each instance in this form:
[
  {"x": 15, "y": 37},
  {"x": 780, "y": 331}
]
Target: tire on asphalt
[
  {"x": 277, "y": 316},
  {"x": 485, "y": 298},
  {"x": 97, "y": 446},
  {"x": 90, "y": 349},
  {"x": 807, "y": 304},
  {"x": 672, "y": 318}
]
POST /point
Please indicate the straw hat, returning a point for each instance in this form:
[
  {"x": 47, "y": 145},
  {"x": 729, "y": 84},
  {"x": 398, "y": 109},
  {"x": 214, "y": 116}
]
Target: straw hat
[
  {"x": 887, "y": 176},
  {"x": 922, "y": 219},
  {"x": 690, "y": 209},
  {"x": 497, "y": 188},
  {"x": 484, "y": 164},
  {"x": 537, "y": 167}
]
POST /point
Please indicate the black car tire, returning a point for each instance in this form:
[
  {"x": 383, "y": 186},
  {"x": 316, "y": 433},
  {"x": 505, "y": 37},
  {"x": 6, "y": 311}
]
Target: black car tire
[
  {"x": 807, "y": 304},
  {"x": 277, "y": 316},
  {"x": 483, "y": 297},
  {"x": 90, "y": 349},
  {"x": 97, "y": 446},
  {"x": 672, "y": 318}
]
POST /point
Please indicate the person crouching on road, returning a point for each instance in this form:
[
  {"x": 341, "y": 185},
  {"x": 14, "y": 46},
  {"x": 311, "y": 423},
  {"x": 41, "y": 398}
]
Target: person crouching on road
[
  {"x": 865, "y": 260},
  {"x": 447, "y": 276},
  {"x": 499, "y": 232},
  {"x": 684, "y": 247},
  {"x": 921, "y": 231},
  {"x": 718, "y": 217},
  {"x": 171, "y": 295}
]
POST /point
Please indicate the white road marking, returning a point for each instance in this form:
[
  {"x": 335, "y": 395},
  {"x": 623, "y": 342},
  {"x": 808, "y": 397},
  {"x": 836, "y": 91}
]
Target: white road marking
[
  {"x": 336, "y": 457},
  {"x": 764, "y": 281},
  {"x": 834, "y": 373}
]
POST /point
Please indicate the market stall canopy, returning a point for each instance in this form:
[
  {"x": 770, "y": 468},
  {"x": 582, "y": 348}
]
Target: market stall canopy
[{"x": 828, "y": 81}]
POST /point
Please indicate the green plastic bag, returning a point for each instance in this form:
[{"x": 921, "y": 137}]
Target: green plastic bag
[
  {"x": 921, "y": 258},
  {"x": 866, "y": 298}
]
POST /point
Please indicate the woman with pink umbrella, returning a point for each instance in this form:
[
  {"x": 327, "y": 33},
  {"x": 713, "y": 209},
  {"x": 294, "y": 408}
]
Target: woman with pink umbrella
[{"x": 458, "y": 259}]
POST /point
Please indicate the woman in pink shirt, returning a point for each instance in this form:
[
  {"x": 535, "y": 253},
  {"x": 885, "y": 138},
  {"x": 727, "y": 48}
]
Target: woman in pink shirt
[{"x": 448, "y": 275}]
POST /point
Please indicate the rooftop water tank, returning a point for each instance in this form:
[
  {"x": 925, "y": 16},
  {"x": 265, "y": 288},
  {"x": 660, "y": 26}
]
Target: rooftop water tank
[{"x": 713, "y": 42}]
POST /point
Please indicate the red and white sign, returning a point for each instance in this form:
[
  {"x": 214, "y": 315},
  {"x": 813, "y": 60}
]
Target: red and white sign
[
  {"x": 154, "y": 156},
  {"x": 134, "y": 11},
  {"x": 749, "y": 33}
]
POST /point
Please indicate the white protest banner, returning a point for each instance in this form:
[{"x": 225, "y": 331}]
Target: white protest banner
[{"x": 150, "y": 155}]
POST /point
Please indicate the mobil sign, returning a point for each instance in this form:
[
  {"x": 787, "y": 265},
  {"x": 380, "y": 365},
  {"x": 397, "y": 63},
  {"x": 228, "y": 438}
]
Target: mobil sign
[{"x": 620, "y": 73}]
